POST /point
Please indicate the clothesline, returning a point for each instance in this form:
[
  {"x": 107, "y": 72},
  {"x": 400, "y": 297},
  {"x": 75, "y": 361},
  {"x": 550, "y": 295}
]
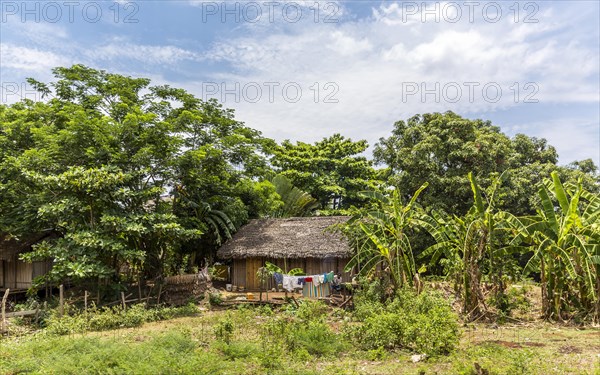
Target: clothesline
[{"x": 290, "y": 283}]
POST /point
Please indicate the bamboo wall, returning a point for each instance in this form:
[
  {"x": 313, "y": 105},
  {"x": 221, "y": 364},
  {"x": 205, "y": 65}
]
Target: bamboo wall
[{"x": 243, "y": 271}]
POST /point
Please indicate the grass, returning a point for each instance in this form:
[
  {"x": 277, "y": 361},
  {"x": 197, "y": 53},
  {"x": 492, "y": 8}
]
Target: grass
[{"x": 190, "y": 345}]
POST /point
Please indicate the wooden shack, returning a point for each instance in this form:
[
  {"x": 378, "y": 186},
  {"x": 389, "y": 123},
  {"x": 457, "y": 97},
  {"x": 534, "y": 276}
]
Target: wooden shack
[
  {"x": 15, "y": 273},
  {"x": 299, "y": 242}
]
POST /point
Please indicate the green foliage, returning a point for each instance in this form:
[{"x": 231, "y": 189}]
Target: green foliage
[
  {"x": 270, "y": 267},
  {"x": 441, "y": 149},
  {"x": 238, "y": 350},
  {"x": 423, "y": 323},
  {"x": 113, "y": 318},
  {"x": 117, "y": 174},
  {"x": 303, "y": 331},
  {"x": 296, "y": 203},
  {"x": 514, "y": 300},
  {"x": 471, "y": 245},
  {"x": 176, "y": 350},
  {"x": 330, "y": 170},
  {"x": 383, "y": 240},
  {"x": 377, "y": 354},
  {"x": 224, "y": 330},
  {"x": 215, "y": 299},
  {"x": 565, "y": 235}
]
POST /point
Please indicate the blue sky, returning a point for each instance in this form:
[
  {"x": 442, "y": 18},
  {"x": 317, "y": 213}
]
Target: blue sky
[{"x": 321, "y": 67}]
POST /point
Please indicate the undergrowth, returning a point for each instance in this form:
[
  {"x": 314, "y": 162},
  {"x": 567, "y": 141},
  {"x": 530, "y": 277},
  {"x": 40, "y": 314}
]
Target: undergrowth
[{"x": 115, "y": 317}]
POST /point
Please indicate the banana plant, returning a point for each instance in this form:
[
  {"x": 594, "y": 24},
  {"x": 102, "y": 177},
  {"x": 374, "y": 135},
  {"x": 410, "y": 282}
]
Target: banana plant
[
  {"x": 464, "y": 244},
  {"x": 382, "y": 237},
  {"x": 565, "y": 235}
]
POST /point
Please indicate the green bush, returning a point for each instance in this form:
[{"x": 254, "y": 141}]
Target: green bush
[
  {"x": 112, "y": 318},
  {"x": 215, "y": 299},
  {"x": 238, "y": 350},
  {"x": 303, "y": 331},
  {"x": 309, "y": 310},
  {"x": 224, "y": 330},
  {"x": 423, "y": 323}
]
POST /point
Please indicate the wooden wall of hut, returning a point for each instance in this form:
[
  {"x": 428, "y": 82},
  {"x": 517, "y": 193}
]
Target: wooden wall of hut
[
  {"x": 243, "y": 271},
  {"x": 16, "y": 274}
]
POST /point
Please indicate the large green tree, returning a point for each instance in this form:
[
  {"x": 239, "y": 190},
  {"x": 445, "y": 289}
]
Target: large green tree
[
  {"x": 443, "y": 148},
  {"x": 333, "y": 170},
  {"x": 125, "y": 175}
]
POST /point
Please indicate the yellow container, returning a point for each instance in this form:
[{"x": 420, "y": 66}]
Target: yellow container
[{"x": 249, "y": 296}]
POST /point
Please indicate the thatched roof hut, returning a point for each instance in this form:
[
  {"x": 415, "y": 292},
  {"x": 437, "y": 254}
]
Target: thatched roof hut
[{"x": 299, "y": 242}]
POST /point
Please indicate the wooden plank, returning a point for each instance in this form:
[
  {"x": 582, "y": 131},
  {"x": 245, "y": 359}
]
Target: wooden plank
[
  {"x": 20, "y": 313},
  {"x": 24, "y": 276},
  {"x": 239, "y": 270},
  {"x": 250, "y": 273},
  {"x": 10, "y": 273}
]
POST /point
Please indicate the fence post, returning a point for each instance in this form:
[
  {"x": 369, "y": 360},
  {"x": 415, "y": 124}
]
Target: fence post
[
  {"x": 123, "y": 299},
  {"x": 4, "y": 308},
  {"x": 61, "y": 300},
  {"x": 85, "y": 294},
  {"x": 37, "y": 313}
]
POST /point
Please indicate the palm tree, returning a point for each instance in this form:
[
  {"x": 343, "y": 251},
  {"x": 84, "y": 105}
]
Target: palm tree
[{"x": 295, "y": 201}]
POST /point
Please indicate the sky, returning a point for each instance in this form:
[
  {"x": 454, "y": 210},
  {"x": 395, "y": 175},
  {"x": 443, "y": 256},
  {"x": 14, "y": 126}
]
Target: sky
[{"x": 304, "y": 70}]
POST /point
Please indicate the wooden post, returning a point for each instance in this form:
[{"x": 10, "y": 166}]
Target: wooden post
[
  {"x": 159, "y": 292},
  {"x": 85, "y": 294},
  {"x": 37, "y": 313},
  {"x": 4, "y": 309},
  {"x": 123, "y": 300},
  {"x": 61, "y": 300}
]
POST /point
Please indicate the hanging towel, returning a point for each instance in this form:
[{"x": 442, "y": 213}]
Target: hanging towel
[
  {"x": 329, "y": 277},
  {"x": 308, "y": 279},
  {"x": 318, "y": 280}
]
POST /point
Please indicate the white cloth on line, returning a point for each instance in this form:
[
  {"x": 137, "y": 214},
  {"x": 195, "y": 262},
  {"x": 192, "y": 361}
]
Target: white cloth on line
[{"x": 289, "y": 282}]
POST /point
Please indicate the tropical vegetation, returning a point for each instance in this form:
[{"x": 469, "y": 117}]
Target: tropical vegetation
[{"x": 132, "y": 181}]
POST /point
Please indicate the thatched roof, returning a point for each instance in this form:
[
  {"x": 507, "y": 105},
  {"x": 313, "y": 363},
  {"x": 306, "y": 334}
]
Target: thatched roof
[{"x": 298, "y": 237}]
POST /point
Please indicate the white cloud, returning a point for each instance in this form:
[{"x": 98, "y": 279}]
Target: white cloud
[
  {"x": 371, "y": 60},
  {"x": 29, "y": 59},
  {"x": 576, "y": 138},
  {"x": 143, "y": 53}
]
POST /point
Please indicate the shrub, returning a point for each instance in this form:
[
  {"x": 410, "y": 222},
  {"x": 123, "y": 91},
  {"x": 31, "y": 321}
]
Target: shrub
[
  {"x": 303, "y": 331},
  {"x": 224, "y": 330},
  {"x": 238, "y": 350},
  {"x": 309, "y": 310},
  {"x": 113, "y": 318},
  {"x": 215, "y": 299},
  {"x": 423, "y": 323}
]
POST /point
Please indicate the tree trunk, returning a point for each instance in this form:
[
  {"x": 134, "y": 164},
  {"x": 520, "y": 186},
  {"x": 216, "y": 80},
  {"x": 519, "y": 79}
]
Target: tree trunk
[{"x": 545, "y": 297}]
